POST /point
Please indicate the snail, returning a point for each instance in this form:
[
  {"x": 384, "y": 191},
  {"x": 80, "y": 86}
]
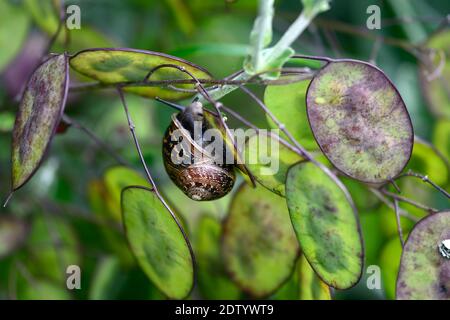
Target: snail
[{"x": 201, "y": 174}]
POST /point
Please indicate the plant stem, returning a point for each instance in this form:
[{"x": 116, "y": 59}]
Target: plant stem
[
  {"x": 147, "y": 171},
  {"x": 410, "y": 201},
  {"x": 386, "y": 201},
  {"x": 399, "y": 225},
  {"x": 238, "y": 80},
  {"x": 425, "y": 179},
  {"x": 262, "y": 30},
  {"x": 104, "y": 146}
]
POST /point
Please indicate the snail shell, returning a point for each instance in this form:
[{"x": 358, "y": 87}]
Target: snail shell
[{"x": 200, "y": 175}]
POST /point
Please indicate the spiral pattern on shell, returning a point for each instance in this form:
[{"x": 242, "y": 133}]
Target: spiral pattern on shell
[{"x": 199, "y": 175}]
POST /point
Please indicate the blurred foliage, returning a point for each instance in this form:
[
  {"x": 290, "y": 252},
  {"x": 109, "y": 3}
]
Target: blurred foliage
[{"x": 69, "y": 212}]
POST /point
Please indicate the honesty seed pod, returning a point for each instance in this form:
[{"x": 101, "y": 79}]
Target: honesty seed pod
[{"x": 195, "y": 155}]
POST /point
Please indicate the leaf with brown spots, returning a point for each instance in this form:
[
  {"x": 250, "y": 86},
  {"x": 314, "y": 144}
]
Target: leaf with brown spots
[
  {"x": 326, "y": 224},
  {"x": 158, "y": 242},
  {"x": 119, "y": 65},
  {"x": 360, "y": 121},
  {"x": 38, "y": 117},
  {"x": 259, "y": 245},
  {"x": 424, "y": 273}
]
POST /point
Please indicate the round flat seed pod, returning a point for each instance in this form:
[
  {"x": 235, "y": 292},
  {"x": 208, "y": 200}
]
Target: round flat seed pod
[
  {"x": 360, "y": 121},
  {"x": 39, "y": 114},
  {"x": 326, "y": 224},
  {"x": 158, "y": 242},
  {"x": 119, "y": 65},
  {"x": 425, "y": 265},
  {"x": 259, "y": 244}
]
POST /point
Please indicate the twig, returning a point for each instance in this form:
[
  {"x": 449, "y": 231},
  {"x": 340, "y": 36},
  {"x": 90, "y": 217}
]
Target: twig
[
  {"x": 318, "y": 58},
  {"x": 147, "y": 171},
  {"x": 386, "y": 201},
  {"x": 350, "y": 29},
  {"x": 425, "y": 179},
  {"x": 410, "y": 201},
  {"x": 302, "y": 74},
  {"x": 8, "y": 198},
  {"x": 62, "y": 18},
  {"x": 104, "y": 146},
  {"x": 399, "y": 225},
  {"x": 395, "y": 185}
]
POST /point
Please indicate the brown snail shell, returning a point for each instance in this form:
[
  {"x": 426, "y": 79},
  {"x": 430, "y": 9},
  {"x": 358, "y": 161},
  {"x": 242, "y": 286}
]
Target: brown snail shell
[{"x": 197, "y": 173}]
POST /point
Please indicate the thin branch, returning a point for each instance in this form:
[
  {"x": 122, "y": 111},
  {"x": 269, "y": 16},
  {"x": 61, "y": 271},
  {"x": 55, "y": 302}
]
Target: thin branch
[
  {"x": 318, "y": 58},
  {"x": 410, "y": 201},
  {"x": 399, "y": 225},
  {"x": 386, "y": 201},
  {"x": 362, "y": 32},
  {"x": 302, "y": 74},
  {"x": 103, "y": 145},
  {"x": 425, "y": 179},
  {"x": 62, "y": 18},
  {"x": 147, "y": 171},
  {"x": 8, "y": 198},
  {"x": 395, "y": 185}
]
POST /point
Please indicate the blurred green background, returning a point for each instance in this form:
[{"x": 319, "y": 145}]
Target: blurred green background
[{"x": 68, "y": 213}]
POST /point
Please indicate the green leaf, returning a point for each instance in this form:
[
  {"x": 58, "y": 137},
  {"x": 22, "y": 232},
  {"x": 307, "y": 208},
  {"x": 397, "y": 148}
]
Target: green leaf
[
  {"x": 360, "y": 121},
  {"x": 112, "y": 66},
  {"x": 52, "y": 245},
  {"x": 441, "y": 137},
  {"x": 213, "y": 282},
  {"x": 288, "y": 105},
  {"x": 41, "y": 289},
  {"x": 275, "y": 64},
  {"x": 104, "y": 282},
  {"x": 259, "y": 245},
  {"x": 311, "y": 287},
  {"x": 99, "y": 202},
  {"x": 39, "y": 114},
  {"x": 45, "y": 14},
  {"x": 435, "y": 75},
  {"x": 13, "y": 232},
  {"x": 115, "y": 180},
  {"x": 313, "y": 7},
  {"x": 158, "y": 242},
  {"x": 425, "y": 273},
  {"x": 14, "y": 24},
  {"x": 326, "y": 224},
  {"x": 289, "y": 290},
  {"x": 269, "y": 161},
  {"x": 212, "y": 49},
  {"x": 389, "y": 261},
  {"x": 428, "y": 160},
  {"x": 260, "y": 36}
]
